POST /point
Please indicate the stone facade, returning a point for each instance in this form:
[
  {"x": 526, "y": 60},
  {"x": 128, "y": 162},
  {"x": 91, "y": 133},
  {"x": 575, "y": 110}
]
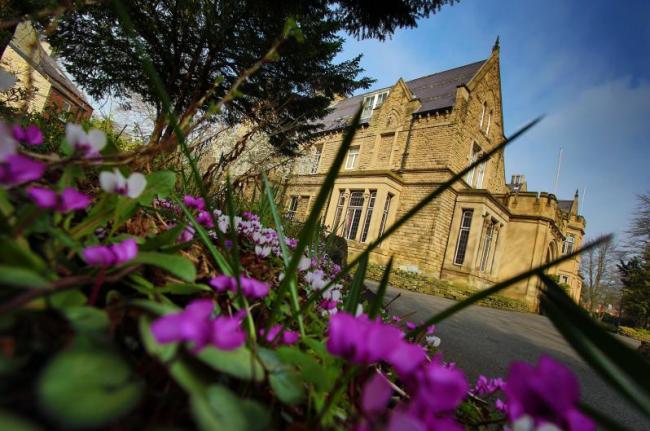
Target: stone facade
[{"x": 481, "y": 230}]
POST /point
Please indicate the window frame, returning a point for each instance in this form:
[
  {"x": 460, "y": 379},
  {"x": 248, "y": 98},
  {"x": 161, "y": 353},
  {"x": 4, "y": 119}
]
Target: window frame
[
  {"x": 372, "y": 102},
  {"x": 569, "y": 246},
  {"x": 463, "y": 236},
  {"x": 340, "y": 206},
  {"x": 487, "y": 245},
  {"x": 353, "y": 215},
  {"x": 355, "y": 153},
  {"x": 385, "y": 213},
  {"x": 369, "y": 210},
  {"x": 318, "y": 152},
  {"x": 293, "y": 207}
]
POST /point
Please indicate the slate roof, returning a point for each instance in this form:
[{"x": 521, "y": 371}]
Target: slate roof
[
  {"x": 48, "y": 67},
  {"x": 436, "y": 91},
  {"x": 565, "y": 205}
]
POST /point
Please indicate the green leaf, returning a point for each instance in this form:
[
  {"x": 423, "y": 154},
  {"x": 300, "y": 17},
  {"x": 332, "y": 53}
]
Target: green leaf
[
  {"x": 238, "y": 363},
  {"x": 184, "y": 288},
  {"x": 378, "y": 301},
  {"x": 354, "y": 294},
  {"x": 11, "y": 422},
  {"x": 158, "y": 308},
  {"x": 160, "y": 183},
  {"x": 225, "y": 411},
  {"x": 67, "y": 298},
  {"x": 320, "y": 375},
  {"x": 16, "y": 252},
  {"x": 124, "y": 210},
  {"x": 170, "y": 236},
  {"x": 86, "y": 319},
  {"x": 285, "y": 381},
  {"x": 21, "y": 277},
  {"x": 164, "y": 352},
  {"x": 176, "y": 265},
  {"x": 88, "y": 388}
]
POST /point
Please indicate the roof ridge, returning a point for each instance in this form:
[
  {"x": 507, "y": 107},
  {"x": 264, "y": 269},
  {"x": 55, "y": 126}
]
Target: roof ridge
[{"x": 448, "y": 70}]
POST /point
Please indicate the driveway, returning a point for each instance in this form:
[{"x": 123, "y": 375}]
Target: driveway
[{"x": 484, "y": 340}]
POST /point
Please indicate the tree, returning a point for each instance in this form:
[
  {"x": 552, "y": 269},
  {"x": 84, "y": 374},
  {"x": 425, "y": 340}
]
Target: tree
[
  {"x": 597, "y": 271},
  {"x": 639, "y": 231},
  {"x": 635, "y": 301},
  {"x": 200, "y": 48}
]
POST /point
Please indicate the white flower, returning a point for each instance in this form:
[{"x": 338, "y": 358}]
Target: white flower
[
  {"x": 89, "y": 144},
  {"x": 304, "y": 263},
  {"x": 359, "y": 311},
  {"x": 262, "y": 251},
  {"x": 223, "y": 223},
  {"x": 8, "y": 145},
  {"x": 433, "y": 341},
  {"x": 114, "y": 182}
]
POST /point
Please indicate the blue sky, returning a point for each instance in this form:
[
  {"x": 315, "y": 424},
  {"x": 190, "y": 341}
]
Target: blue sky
[{"x": 585, "y": 64}]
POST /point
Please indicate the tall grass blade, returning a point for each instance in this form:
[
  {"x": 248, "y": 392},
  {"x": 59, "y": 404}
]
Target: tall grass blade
[
  {"x": 314, "y": 216},
  {"x": 378, "y": 301},
  {"x": 616, "y": 363},
  {"x": 354, "y": 295},
  {"x": 500, "y": 286},
  {"x": 286, "y": 257}
]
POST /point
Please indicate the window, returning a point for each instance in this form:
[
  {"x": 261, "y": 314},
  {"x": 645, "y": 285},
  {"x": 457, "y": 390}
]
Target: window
[
  {"x": 66, "y": 106},
  {"x": 480, "y": 125},
  {"x": 463, "y": 236},
  {"x": 371, "y": 102},
  {"x": 569, "y": 244},
  {"x": 475, "y": 177},
  {"x": 366, "y": 223},
  {"x": 293, "y": 207},
  {"x": 339, "y": 210},
  {"x": 316, "y": 159},
  {"x": 354, "y": 214},
  {"x": 564, "y": 279},
  {"x": 487, "y": 245},
  {"x": 353, "y": 158},
  {"x": 489, "y": 122},
  {"x": 384, "y": 216}
]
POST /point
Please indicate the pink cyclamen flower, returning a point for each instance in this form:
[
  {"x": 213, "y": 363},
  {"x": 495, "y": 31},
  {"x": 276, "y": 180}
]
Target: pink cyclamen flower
[
  {"x": 440, "y": 389},
  {"x": 192, "y": 325},
  {"x": 30, "y": 135},
  {"x": 287, "y": 337},
  {"x": 375, "y": 394},
  {"x": 18, "y": 169},
  {"x": 69, "y": 200},
  {"x": 411, "y": 326},
  {"x": 487, "y": 386},
  {"x": 193, "y": 202},
  {"x": 251, "y": 288},
  {"x": 547, "y": 393},
  {"x": 115, "y": 182},
  {"x": 205, "y": 219},
  {"x": 227, "y": 333},
  {"x": 187, "y": 234},
  {"x": 89, "y": 144},
  {"x": 109, "y": 255}
]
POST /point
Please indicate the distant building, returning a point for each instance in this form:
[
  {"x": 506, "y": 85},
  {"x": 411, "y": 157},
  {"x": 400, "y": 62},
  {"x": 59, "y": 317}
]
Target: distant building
[
  {"x": 414, "y": 136},
  {"x": 28, "y": 59}
]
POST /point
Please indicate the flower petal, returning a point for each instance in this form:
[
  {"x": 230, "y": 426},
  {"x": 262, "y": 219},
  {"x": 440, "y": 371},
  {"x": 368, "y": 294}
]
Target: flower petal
[
  {"x": 96, "y": 140},
  {"x": 43, "y": 197},
  {"x": 72, "y": 200},
  {"x": 376, "y": 394},
  {"x": 135, "y": 185}
]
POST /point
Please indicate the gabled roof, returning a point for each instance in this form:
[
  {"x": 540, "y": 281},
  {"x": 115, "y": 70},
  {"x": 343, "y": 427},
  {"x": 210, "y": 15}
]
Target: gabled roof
[
  {"x": 48, "y": 67},
  {"x": 436, "y": 91}
]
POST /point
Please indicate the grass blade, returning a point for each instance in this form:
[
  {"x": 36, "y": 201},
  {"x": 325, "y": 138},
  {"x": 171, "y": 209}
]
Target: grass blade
[
  {"x": 500, "y": 286},
  {"x": 616, "y": 363},
  {"x": 354, "y": 295},
  {"x": 293, "y": 285},
  {"x": 378, "y": 302}
]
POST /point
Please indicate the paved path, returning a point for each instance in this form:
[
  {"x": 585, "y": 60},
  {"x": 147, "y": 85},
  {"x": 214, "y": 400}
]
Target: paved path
[{"x": 483, "y": 340}]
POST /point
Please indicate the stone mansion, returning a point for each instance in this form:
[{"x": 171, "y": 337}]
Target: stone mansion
[{"x": 414, "y": 136}]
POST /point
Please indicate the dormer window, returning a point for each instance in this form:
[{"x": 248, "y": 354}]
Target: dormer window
[{"x": 372, "y": 102}]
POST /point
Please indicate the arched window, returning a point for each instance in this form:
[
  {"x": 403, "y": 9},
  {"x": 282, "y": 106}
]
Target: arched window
[
  {"x": 480, "y": 125},
  {"x": 475, "y": 177},
  {"x": 489, "y": 122}
]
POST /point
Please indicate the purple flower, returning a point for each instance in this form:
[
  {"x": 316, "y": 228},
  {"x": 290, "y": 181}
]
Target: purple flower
[
  {"x": 361, "y": 340},
  {"x": 69, "y": 200},
  {"x": 18, "y": 169},
  {"x": 288, "y": 337},
  {"x": 406, "y": 358},
  {"x": 192, "y": 324},
  {"x": 375, "y": 394},
  {"x": 187, "y": 234},
  {"x": 227, "y": 333},
  {"x": 205, "y": 219},
  {"x": 547, "y": 393},
  {"x": 109, "y": 255},
  {"x": 440, "y": 389},
  {"x": 192, "y": 202},
  {"x": 487, "y": 386},
  {"x": 411, "y": 326},
  {"x": 251, "y": 288},
  {"x": 30, "y": 135}
]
